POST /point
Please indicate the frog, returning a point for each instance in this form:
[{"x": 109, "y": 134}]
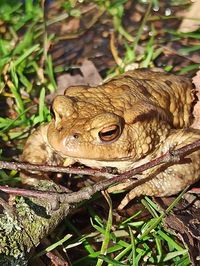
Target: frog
[{"x": 123, "y": 123}]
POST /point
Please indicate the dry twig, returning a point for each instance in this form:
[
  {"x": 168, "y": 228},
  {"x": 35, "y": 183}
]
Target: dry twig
[
  {"x": 33, "y": 218},
  {"x": 74, "y": 197}
]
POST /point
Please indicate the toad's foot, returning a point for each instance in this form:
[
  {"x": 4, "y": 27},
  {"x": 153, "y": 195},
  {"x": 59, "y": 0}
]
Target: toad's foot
[{"x": 174, "y": 178}]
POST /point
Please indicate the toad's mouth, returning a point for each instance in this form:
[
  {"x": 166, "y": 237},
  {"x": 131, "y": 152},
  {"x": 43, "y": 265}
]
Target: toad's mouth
[
  {"x": 88, "y": 154},
  {"x": 123, "y": 165},
  {"x": 77, "y": 148},
  {"x": 81, "y": 152}
]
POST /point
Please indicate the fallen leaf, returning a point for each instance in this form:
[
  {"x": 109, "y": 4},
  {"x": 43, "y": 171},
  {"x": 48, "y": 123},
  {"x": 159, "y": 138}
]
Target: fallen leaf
[
  {"x": 68, "y": 80},
  {"x": 196, "y": 111},
  {"x": 184, "y": 222},
  {"x": 71, "y": 26},
  {"x": 90, "y": 73},
  {"x": 191, "y": 22},
  {"x": 196, "y": 80},
  {"x": 90, "y": 76}
]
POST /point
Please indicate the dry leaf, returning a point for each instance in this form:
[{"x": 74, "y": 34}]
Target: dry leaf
[
  {"x": 90, "y": 77},
  {"x": 90, "y": 73},
  {"x": 71, "y": 26},
  {"x": 196, "y": 112},
  {"x": 196, "y": 80},
  {"x": 190, "y": 22}
]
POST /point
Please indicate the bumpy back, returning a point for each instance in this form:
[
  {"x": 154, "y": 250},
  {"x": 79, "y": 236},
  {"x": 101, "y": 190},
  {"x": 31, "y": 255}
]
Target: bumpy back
[{"x": 172, "y": 93}]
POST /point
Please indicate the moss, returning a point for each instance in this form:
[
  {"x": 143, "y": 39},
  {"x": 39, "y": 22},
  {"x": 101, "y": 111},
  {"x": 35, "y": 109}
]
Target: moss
[{"x": 32, "y": 222}]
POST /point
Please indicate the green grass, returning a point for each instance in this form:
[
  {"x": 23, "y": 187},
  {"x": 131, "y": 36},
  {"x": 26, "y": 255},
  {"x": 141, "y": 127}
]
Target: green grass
[
  {"x": 28, "y": 75},
  {"x": 130, "y": 242}
]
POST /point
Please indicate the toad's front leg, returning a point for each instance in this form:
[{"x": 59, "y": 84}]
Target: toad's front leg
[
  {"x": 37, "y": 151},
  {"x": 174, "y": 178}
]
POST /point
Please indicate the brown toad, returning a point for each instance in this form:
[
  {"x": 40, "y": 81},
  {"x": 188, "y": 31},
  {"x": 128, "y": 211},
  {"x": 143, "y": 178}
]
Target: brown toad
[{"x": 123, "y": 123}]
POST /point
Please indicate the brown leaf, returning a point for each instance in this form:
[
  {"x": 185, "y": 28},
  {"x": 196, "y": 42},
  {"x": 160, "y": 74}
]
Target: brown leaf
[
  {"x": 196, "y": 112},
  {"x": 72, "y": 26},
  {"x": 196, "y": 80},
  {"x": 190, "y": 22},
  {"x": 184, "y": 222},
  {"x": 90, "y": 73},
  {"x": 90, "y": 77}
]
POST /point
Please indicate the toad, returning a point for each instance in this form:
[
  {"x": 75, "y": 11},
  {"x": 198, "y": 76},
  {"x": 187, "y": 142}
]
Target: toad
[{"x": 127, "y": 121}]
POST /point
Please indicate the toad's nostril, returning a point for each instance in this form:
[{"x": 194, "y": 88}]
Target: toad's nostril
[
  {"x": 71, "y": 139},
  {"x": 76, "y": 135}
]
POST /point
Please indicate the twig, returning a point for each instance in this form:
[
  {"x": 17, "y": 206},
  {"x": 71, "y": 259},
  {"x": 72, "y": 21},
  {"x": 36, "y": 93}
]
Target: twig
[
  {"x": 171, "y": 156},
  {"x": 86, "y": 193},
  {"x": 58, "y": 169}
]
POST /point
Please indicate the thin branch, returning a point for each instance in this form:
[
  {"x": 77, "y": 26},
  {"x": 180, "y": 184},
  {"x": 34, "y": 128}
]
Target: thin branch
[
  {"x": 170, "y": 156},
  {"x": 86, "y": 193},
  {"x": 29, "y": 193},
  {"x": 58, "y": 169}
]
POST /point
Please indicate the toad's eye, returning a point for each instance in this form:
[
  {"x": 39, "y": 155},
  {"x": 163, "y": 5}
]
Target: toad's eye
[{"x": 109, "y": 133}]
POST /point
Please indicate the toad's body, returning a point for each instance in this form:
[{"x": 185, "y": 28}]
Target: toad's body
[{"x": 122, "y": 123}]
